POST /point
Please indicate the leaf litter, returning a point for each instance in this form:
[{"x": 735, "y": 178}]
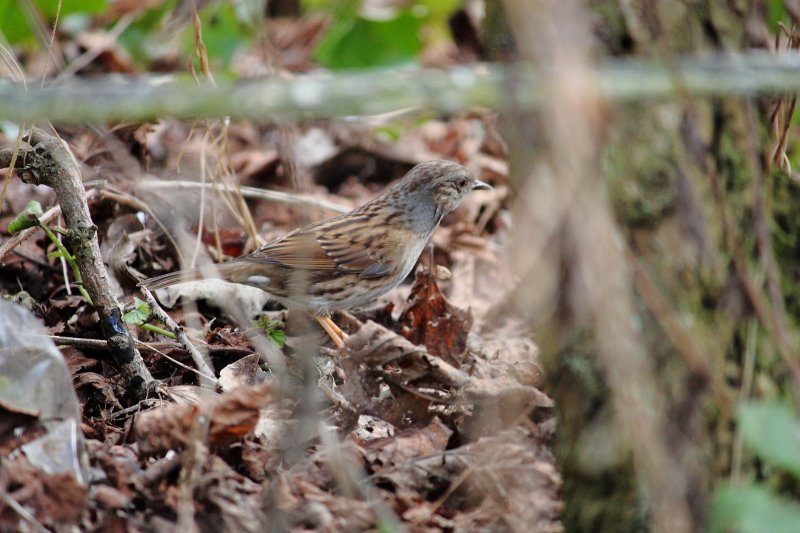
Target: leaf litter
[{"x": 434, "y": 421}]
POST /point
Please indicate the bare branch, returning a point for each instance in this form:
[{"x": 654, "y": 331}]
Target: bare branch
[{"x": 382, "y": 91}]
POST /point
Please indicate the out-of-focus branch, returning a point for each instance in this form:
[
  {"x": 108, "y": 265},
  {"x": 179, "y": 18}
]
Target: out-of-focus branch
[
  {"x": 556, "y": 35},
  {"x": 285, "y": 198},
  {"x": 380, "y": 91}
]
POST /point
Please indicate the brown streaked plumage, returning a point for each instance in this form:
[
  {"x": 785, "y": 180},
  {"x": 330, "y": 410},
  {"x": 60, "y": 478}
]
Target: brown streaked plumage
[{"x": 350, "y": 259}]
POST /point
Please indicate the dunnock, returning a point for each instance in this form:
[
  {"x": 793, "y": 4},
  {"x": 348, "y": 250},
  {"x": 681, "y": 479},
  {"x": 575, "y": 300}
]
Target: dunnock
[{"x": 350, "y": 259}]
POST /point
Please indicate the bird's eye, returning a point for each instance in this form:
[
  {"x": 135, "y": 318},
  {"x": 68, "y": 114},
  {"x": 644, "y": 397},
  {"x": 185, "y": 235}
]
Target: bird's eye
[{"x": 461, "y": 183}]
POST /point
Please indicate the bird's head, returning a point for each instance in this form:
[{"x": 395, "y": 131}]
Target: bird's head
[{"x": 433, "y": 189}]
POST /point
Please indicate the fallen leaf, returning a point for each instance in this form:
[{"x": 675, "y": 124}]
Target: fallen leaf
[
  {"x": 430, "y": 320},
  {"x": 231, "y": 416},
  {"x": 408, "y": 445}
]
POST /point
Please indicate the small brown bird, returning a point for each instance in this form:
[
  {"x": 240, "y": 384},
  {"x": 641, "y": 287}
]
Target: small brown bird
[{"x": 350, "y": 259}]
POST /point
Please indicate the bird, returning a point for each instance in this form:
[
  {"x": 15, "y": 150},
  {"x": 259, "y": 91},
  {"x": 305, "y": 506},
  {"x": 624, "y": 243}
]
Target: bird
[{"x": 353, "y": 258}]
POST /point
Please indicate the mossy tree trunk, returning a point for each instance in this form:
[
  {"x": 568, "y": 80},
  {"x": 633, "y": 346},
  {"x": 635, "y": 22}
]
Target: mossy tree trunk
[{"x": 707, "y": 230}]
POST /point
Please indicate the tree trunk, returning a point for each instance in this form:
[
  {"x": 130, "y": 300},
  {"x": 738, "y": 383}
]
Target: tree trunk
[{"x": 652, "y": 265}]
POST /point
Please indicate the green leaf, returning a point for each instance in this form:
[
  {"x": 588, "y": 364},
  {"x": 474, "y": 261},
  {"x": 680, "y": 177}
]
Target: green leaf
[
  {"x": 357, "y": 42},
  {"x": 271, "y": 328},
  {"x": 28, "y": 218},
  {"x": 776, "y": 12},
  {"x": 340, "y": 8},
  {"x": 772, "y": 432},
  {"x": 143, "y": 38},
  {"x": 139, "y": 314},
  {"x": 16, "y": 28},
  {"x": 753, "y": 509},
  {"x": 49, "y": 8},
  {"x": 13, "y": 24},
  {"x": 392, "y": 133},
  {"x": 223, "y": 31},
  {"x": 443, "y": 8}
]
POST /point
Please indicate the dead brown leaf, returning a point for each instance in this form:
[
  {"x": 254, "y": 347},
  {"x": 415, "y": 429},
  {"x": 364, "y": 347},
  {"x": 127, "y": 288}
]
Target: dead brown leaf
[
  {"x": 17, "y": 427},
  {"x": 379, "y": 358},
  {"x": 56, "y": 500},
  {"x": 319, "y": 494},
  {"x": 430, "y": 320},
  {"x": 100, "y": 384},
  {"x": 119, "y": 464},
  {"x": 76, "y": 362},
  {"x": 245, "y": 371},
  {"x": 408, "y": 445},
  {"x": 231, "y": 416}
]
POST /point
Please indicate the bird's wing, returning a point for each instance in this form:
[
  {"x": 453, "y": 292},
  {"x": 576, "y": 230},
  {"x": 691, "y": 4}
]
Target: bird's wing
[{"x": 335, "y": 245}]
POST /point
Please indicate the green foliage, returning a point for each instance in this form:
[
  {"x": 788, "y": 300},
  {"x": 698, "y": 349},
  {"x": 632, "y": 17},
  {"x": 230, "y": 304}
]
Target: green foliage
[
  {"x": 356, "y": 40},
  {"x": 226, "y": 28},
  {"x": 28, "y": 218},
  {"x": 272, "y": 328},
  {"x": 16, "y": 27},
  {"x": 141, "y": 39},
  {"x": 753, "y": 509},
  {"x": 772, "y": 432},
  {"x": 776, "y": 12},
  {"x": 139, "y": 314},
  {"x": 13, "y": 24},
  {"x": 227, "y": 25}
]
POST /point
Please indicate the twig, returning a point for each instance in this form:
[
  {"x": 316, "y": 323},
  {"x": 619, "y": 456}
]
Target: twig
[
  {"x": 284, "y": 198},
  {"x": 108, "y": 191},
  {"x": 386, "y": 90},
  {"x": 199, "y": 360},
  {"x": 100, "y": 345},
  {"x": 152, "y": 348},
  {"x": 20, "y": 510},
  {"x": 193, "y": 458},
  {"x": 335, "y": 398},
  {"x": 50, "y": 162},
  {"x": 23, "y": 236},
  {"x": 133, "y": 408},
  {"x": 588, "y": 253}
]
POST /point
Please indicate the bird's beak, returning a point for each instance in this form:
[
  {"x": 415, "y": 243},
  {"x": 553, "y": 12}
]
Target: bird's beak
[{"x": 480, "y": 185}]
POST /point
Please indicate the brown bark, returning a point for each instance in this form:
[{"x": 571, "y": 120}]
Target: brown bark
[{"x": 51, "y": 163}]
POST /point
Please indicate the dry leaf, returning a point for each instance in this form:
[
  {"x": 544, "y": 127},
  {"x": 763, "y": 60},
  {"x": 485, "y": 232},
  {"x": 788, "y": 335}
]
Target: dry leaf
[
  {"x": 430, "y": 320},
  {"x": 231, "y": 416},
  {"x": 408, "y": 445}
]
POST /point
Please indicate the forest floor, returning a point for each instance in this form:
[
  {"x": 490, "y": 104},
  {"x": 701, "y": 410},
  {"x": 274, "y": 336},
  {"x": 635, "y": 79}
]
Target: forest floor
[{"x": 433, "y": 421}]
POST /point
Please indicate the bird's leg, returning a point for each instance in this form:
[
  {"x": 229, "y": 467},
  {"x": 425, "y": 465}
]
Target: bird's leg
[{"x": 333, "y": 330}]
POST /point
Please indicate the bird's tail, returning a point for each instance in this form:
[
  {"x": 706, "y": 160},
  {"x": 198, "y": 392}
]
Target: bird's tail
[{"x": 182, "y": 276}]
